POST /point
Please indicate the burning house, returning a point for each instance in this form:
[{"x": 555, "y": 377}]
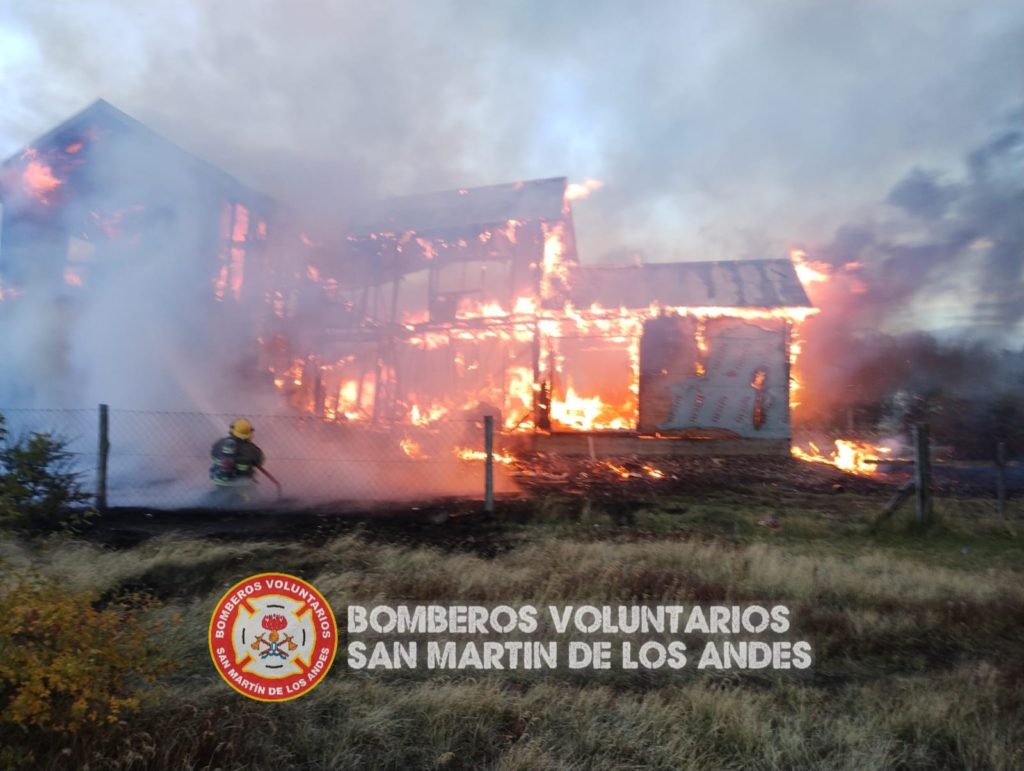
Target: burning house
[
  {"x": 451, "y": 304},
  {"x": 101, "y": 189},
  {"x": 109, "y": 230},
  {"x": 424, "y": 308}
]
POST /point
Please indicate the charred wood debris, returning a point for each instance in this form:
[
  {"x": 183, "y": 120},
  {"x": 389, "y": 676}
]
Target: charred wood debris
[{"x": 635, "y": 478}]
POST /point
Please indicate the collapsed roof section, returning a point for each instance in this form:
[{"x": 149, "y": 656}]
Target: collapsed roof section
[
  {"x": 504, "y": 226},
  {"x": 439, "y": 257},
  {"x": 478, "y": 207}
]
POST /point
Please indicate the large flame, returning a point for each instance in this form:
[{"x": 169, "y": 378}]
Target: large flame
[
  {"x": 572, "y": 407},
  {"x": 520, "y": 355},
  {"x": 857, "y": 457},
  {"x": 810, "y": 272},
  {"x": 555, "y": 268}
]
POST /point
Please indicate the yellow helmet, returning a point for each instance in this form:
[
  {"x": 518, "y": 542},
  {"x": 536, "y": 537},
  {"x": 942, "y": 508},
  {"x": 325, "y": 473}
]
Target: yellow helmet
[{"x": 241, "y": 429}]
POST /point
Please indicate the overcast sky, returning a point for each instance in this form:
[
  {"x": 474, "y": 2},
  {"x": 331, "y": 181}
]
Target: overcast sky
[{"x": 720, "y": 128}]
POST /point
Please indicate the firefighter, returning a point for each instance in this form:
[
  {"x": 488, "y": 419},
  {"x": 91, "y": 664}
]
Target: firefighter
[{"x": 235, "y": 457}]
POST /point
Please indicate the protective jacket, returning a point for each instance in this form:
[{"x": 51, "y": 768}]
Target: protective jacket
[{"x": 234, "y": 461}]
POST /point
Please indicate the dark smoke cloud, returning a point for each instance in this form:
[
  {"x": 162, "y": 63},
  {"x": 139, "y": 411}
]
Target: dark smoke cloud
[
  {"x": 949, "y": 248},
  {"x": 722, "y": 129},
  {"x": 945, "y": 236},
  {"x": 923, "y": 195}
]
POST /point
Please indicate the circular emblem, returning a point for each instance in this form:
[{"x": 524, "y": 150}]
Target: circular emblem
[{"x": 273, "y": 637}]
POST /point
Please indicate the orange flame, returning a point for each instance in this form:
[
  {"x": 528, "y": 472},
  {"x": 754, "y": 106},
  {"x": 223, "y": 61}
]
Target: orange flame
[
  {"x": 348, "y": 402},
  {"x": 555, "y": 269},
  {"x": 810, "y": 272},
  {"x": 38, "y": 177},
  {"x": 73, "y": 278},
  {"x": 237, "y": 270},
  {"x": 412, "y": 449},
  {"x": 241, "y": 227},
  {"x": 620, "y": 471},
  {"x": 425, "y": 417},
  {"x": 510, "y": 230},
  {"x": 112, "y": 224},
  {"x": 856, "y": 457},
  {"x": 578, "y": 191},
  {"x": 502, "y": 456},
  {"x": 588, "y": 413},
  {"x": 220, "y": 283}
]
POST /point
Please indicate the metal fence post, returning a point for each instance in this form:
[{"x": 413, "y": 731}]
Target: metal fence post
[
  {"x": 922, "y": 474},
  {"x": 101, "y": 464},
  {"x": 489, "y": 464},
  {"x": 1001, "y": 478}
]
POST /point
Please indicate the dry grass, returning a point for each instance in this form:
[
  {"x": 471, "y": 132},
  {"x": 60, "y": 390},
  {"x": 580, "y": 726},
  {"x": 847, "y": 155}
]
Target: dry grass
[
  {"x": 917, "y": 655},
  {"x": 356, "y": 722}
]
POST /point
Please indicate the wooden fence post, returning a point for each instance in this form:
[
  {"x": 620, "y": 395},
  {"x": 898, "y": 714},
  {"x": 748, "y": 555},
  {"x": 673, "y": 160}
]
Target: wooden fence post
[
  {"x": 101, "y": 465},
  {"x": 489, "y": 464},
  {"x": 922, "y": 474}
]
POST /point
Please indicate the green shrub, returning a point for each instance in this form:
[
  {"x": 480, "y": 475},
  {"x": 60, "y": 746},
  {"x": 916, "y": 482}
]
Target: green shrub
[{"x": 39, "y": 489}]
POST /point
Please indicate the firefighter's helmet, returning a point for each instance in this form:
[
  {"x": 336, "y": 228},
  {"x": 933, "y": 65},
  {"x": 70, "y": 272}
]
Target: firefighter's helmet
[{"x": 241, "y": 429}]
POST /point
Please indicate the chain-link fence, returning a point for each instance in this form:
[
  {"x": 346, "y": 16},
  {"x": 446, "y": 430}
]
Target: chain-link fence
[
  {"x": 163, "y": 459},
  {"x": 76, "y": 429}
]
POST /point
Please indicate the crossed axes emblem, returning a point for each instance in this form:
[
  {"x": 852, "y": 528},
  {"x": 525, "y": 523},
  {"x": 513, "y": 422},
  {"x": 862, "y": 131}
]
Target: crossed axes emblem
[{"x": 275, "y": 642}]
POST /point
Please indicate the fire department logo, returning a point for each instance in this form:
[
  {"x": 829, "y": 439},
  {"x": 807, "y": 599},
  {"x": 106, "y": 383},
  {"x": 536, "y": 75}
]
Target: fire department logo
[{"x": 273, "y": 637}]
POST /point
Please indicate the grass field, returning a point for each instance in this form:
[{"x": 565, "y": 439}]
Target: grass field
[{"x": 918, "y": 643}]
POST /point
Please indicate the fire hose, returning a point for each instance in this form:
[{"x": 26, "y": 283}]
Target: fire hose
[{"x": 268, "y": 475}]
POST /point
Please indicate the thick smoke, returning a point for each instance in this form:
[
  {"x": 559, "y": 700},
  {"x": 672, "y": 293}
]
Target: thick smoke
[
  {"x": 144, "y": 332},
  {"x": 959, "y": 238},
  {"x": 125, "y": 313},
  {"x": 721, "y": 129},
  {"x": 947, "y": 254}
]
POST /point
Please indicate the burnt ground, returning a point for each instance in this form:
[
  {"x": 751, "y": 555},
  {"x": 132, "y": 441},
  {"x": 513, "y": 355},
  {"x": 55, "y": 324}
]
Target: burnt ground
[
  {"x": 618, "y": 487},
  {"x": 755, "y": 475},
  {"x": 448, "y": 523}
]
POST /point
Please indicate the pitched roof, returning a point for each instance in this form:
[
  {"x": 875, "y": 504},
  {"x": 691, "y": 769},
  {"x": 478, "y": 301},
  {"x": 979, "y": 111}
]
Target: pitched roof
[
  {"x": 730, "y": 284},
  {"x": 101, "y": 116}
]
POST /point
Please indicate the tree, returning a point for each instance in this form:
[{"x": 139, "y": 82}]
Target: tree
[{"x": 39, "y": 488}]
